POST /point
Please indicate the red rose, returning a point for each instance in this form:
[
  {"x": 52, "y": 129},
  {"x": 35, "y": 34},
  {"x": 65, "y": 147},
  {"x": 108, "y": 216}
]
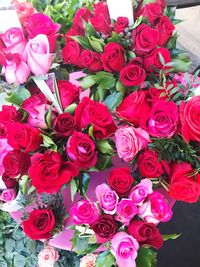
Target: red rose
[
  {"x": 133, "y": 74},
  {"x": 48, "y": 172},
  {"x": 22, "y": 136},
  {"x": 73, "y": 31},
  {"x": 190, "y": 119},
  {"x": 153, "y": 11},
  {"x": 101, "y": 18},
  {"x": 9, "y": 182},
  {"x": 69, "y": 93},
  {"x": 91, "y": 60},
  {"x": 165, "y": 28},
  {"x": 154, "y": 94},
  {"x": 16, "y": 163},
  {"x": 153, "y": 61},
  {"x": 40, "y": 224},
  {"x": 121, "y": 181},
  {"x": 81, "y": 150},
  {"x": 105, "y": 228},
  {"x": 64, "y": 125},
  {"x": 97, "y": 114},
  {"x": 71, "y": 53},
  {"x": 145, "y": 39},
  {"x": 121, "y": 24},
  {"x": 83, "y": 14},
  {"x": 146, "y": 233},
  {"x": 113, "y": 57},
  {"x": 184, "y": 185},
  {"x": 149, "y": 165},
  {"x": 133, "y": 106}
]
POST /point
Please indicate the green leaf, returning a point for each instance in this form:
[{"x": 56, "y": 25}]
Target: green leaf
[
  {"x": 131, "y": 54},
  {"x": 171, "y": 237},
  {"x": 91, "y": 131},
  {"x": 83, "y": 41},
  {"x": 179, "y": 65},
  {"x": 120, "y": 88},
  {"x": 18, "y": 235},
  {"x": 83, "y": 183},
  {"x": 113, "y": 100},
  {"x": 9, "y": 245},
  {"x": 88, "y": 81},
  {"x": 71, "y": 108},
  {"x": 105, "y": 259},
  {"x": 18, "y": 96},
  {"x": 49, "y": 143},
  {"x": 96, "y": 44},
  {"x": 104, "y": 162},
  {"x": 104, "y": 147},
  {"x": 3, "y": 263},
  {"x": 48, "y": 117},
  {"x": 105, "y": 80},
  {"x": 19, "y": 246},
  {"x": 115, "y": 38},
  {"x": 73, "y": 189},
  {"x": 146, "y": 258},
  {"x": 137, "y": 22},
  {"x": 19, "y": 260}
]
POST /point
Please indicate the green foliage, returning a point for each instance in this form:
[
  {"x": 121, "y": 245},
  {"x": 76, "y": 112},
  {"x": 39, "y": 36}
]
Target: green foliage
[
  {"x": 146, "y": 258},
  {"x": 170, "y": 237},
  {"x": 18, "y": 96},
  {"x": 105, "y": 259}
]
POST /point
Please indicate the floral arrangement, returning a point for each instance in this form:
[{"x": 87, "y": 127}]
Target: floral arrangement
[{"x": 115, "y": 98}]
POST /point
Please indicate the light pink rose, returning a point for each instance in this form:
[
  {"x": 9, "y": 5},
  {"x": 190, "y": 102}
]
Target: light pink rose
[
  {"x": 129, "y": 141},
  {"x": 180, "y": 78},
  {"x": 156, "y": 209},
  {"x": 108, "y": 199},
  {"x": 14, "y": 41},
  {"x": 124, "y": 248},
  {"x": 88, "y": 260},
  {"x": 84, "y": 212},
  {"x": 140, "y": 192},
  {"x": 37, "y": 54},
  {"x": 47, "y": 257},
  {"x": 4, "y": 149},
  {"x": 8, "y": 195},
  {"x": 126, "y": 210},
  {"x": 36, "y": 106},
  {"x": 15, "y": 69}
]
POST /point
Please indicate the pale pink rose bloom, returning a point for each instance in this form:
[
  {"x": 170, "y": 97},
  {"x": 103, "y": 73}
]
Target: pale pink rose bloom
[
  {"x": 129, "y": 141},
  {"x": 140, "y": 192},
  {"x": 47, "y": 257},
  {"x": 8, "y": 195},
  {"x": 88, "y": 260},
  {"x": 15, "y": 69},
  {"x": 4, "y": 149},
  {"x": 126, "y": 211},
  {"x": 108, "y": 199},
  {"x": 156, "y": 209},
  {"x": 37, "y": 54},
  {"x": 124, "y": 248},
  {"x": 14, "y": 41}
]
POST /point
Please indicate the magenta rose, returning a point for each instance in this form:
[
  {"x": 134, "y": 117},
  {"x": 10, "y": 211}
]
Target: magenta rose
[
  {"x": 91, "y": 60},
  {"x": 124, "y": 248},
  {"x": 84, "y": 212},
  {"x": 140, "y": 192},
  {"x": 64, "y": 125},
  {"x": 121, "y": 24},
  {"x": 5, "y": 148},
  {"x": 129, "y": 141},
  {"x": 165, "y": 28},
  {"x": 113, "y": 57},
  {"x": 126, "y": 211},
  {"x": 163, "y": 119},
  {"x": 8, "y": 195},
  {"x": 71, "y": 53}
]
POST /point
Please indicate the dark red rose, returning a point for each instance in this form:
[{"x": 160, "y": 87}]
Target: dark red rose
[
  {"x": 69, "y": 93},
  {"x": 184, "y": 185},
  {"x": 121, "y": 181},
  {"x": 149, "y": 165},
  {"x": 71, "y": 53},
  {"x": 40, "y": 224},
  {"x": 101, "y": 18},
  {"x": 133, "y": 74},
  {"x": 81, "y": 150},
  {"x": 113, "y": 57},
  {"x": 64, "y": 125},
  {"x": 91, "y": 60},
  {"x": 16, "y": 163},
  {"x": 152, "y": 62},
  {"x": 22, "y": 136},
  {"x": 121, "y": 24},
  {"x": 9, "y": 182},
  {"x": 97, "y": 114},
  {"x": 153, "y": 11},
  {"x": 83, "y": 14},
  {"x": 48, "y": 172},
  {"x": 145, "y": 39},
  {"x": 133, "y": 106},
  {"x": 146, "y": 233},
  {"x": 165, "y": 28},
  {"x": 105, "y": 228}
]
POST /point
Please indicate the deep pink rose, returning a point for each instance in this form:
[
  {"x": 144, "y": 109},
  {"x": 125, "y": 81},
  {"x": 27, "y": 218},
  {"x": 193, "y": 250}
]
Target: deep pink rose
[
  {"x": 91, "y": 60},
  {"x": 126, "y": 211},
  {"x": 124, "y": 248},
  {"x": 37, "y": 54},
  {"x": 4, "y": 149},
  {"x": 141, "y": 191},
  {"x": 129, "y": 141},
  {"x": 165, "y": 28},
  {"x": 121, "y": 24},
  {"x": 83, "y": 14},
  {"x": 84, "y": 212},
  {"x": 71, "y": 53},
  {"x": 163, "y": 119},
  {"x": 8, "y": 195}
]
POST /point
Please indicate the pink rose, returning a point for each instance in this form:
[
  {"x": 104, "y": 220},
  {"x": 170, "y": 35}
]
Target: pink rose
[
  {"x": 126, "y": 211},
  {"x": 15, "y": 70},
  {"x": 84, "y": 212},
  {"x": 140, "y": 192},
  {"x": 108, "y": 199},
  {"x": 24, "y": 10},
  {"x": 4, "y": 149},
  {"x": 88, "y": 260},
  {"x": 8, "y": 195},
  {"x": 14, "y": 41},
  {"x": 156, "y": 209},
  {"x": 47, "y": 257},
  {"x": 129, "y": 141},
  {"x": 36, "y": 106},
  {"x": 37, "y": 54},
  {"x": 124, "y": 248}
]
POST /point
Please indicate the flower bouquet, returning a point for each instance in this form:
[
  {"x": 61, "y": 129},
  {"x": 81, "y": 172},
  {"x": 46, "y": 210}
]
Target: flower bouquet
[{"x": 112, "y": 120}]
